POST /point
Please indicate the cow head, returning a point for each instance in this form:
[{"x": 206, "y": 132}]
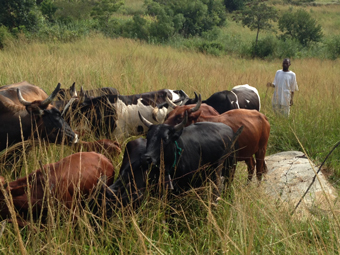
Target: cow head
[
  {"x": 179, "y": 112},
  {"x": 159, "y": 136},
  {"x": 49, "y": 122}
]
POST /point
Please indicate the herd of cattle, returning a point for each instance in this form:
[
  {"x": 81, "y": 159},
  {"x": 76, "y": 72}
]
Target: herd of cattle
[{"x": 188, "y": 141}]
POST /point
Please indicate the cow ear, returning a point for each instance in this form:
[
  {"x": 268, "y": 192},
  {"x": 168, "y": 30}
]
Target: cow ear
[
  {"x": 34, "y": 110},
  {"x": 176, "y": 134}
]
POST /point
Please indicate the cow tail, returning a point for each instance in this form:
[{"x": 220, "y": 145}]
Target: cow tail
[{"x": 236, "y": 136}]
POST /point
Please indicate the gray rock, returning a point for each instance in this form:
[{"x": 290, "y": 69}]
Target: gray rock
[{"x": 289, "y": 175}]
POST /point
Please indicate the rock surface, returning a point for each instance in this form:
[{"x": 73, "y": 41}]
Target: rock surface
[{"x": 289, "y": 175}]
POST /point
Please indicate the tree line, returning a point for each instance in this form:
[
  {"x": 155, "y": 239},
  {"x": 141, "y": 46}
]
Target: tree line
[{"x": 164, "y": 21}]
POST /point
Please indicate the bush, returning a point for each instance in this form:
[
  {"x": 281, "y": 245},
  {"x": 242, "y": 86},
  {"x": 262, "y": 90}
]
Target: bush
[
  {"x": 264, "y": 47},
  {"x": 288, "y": 49},
  {"x": 333, "y": 47},
  {"x": 138, "y": 28},
  {"x": 213, "y": 48},
  {"x": 300, "y": 26},
  {"x": 64, "y": 32}
]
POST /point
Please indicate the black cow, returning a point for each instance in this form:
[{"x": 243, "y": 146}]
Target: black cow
[
  {"x": 192, "y": 154},
  {"x": 240, "y": 97},
  {"x": 26, "y": 109},
  {"x": 66, "y": 94},
  {"x": 132, "y": 179}
]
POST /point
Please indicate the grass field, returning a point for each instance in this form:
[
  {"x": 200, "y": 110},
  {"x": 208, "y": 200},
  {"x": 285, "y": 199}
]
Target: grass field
[{"x": 250, "y": 222}]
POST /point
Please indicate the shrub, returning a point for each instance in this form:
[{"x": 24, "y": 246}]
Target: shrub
[
  {"x": 333, "y": 47},
  {"x": 288, "y": 49},
  {"x": 213, "y": 48},
  {"x": 265, "y": 47}
]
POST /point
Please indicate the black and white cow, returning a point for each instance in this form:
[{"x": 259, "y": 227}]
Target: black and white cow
[
  {"x": 240, "y": 97},
  {"x": 192, "y": 154},
  {"x": 119, "y": 113}
]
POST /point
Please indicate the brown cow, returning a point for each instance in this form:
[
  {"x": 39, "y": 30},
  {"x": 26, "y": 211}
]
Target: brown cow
[
  {"x": 104, "y": 146},
  {"x": 253, "y": 139},
  {"x": 27, "y": 109},
  {"x": 76, "y": 173}
]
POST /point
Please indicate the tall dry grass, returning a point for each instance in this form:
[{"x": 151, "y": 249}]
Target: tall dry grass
[{"x": 249, "y": 221}]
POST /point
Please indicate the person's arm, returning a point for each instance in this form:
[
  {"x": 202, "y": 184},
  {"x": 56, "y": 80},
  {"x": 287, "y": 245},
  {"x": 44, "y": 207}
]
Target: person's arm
[{"x": 291, "y": 97}]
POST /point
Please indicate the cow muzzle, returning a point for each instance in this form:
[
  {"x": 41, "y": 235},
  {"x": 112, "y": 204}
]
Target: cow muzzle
[{"x": 148, "y": 160}]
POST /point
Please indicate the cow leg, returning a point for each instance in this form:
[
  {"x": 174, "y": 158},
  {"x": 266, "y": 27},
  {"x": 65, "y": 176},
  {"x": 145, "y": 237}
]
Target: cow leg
[
  {"x": 261, "y": 167},
  {"x": 218, "y": 181},
  {"x": 250, "y": 162}
]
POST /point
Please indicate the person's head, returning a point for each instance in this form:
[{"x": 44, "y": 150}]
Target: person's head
[{"x": 285, "y": 64}]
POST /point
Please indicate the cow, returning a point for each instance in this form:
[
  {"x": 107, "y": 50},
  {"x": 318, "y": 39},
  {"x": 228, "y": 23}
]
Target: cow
[
  {"x": 118, "y": 113},
  {"x": 240, "y": 97},
  {"x": 26, "y": 109},
  {"x": 106, "y": 147},
  {"x": 73, "y": 177},
  {"x": 66, "y": 94},
  {"x": 192, "y": 154},
  {"x": 129, "y": 187},
  {"x": 252, "y": 141}
]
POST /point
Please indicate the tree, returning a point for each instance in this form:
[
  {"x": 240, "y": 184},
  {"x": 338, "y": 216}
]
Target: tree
[
  {"x": 188, "y": 17},
  {"x": 257, "y": 15},
  {"x": 234, "y": 5},
  {"x": 300, "y": 26},
  {"x": 18, "y": 13}
]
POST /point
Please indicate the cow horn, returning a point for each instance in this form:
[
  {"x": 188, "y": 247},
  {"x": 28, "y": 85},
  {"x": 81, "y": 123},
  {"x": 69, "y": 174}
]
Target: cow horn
[
  {"x": 198, "y": 105},
  {"x": 196, "y": 97},
  {"x": 68, "y": 105},
  {"x": 73, "y": 91},
  {"x": 48, "y": 100},
  {"x": 183, "y": 123},
  {"x": 170, "y": 103},
  {"x": 21, "y": 99},
  {"x": 144, "y": 120},
  {"x": 81, "y": 95},
  {"x": 155, "y": 112}
]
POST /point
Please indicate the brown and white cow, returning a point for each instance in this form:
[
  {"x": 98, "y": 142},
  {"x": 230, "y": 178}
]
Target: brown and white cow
[
  {"x": 252, "y": 141},
  {"x": 75, "y": 176}
]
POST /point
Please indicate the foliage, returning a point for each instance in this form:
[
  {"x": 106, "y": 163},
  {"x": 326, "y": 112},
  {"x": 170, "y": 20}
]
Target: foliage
[
  {"x": 60, "y": 32},
  {"x": 48, "y": 9},
  {"x": 257, "y": 15},
  {"x": 265, "y": 47},
  {"x": 103, "y": 10},
  {"x": 213, "y": 48},
  {"x": 333, "y": 47},
  {"x": 288, "y": 49},
  {"x": 138, "y": 28},
  {"x": 234, "y": 5},
  {"x": 188, "y": 18},
  {"x": 69, "y": 11},
  {"x": 19, "y": 13},
  {"x": 300, "y": 26}
]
